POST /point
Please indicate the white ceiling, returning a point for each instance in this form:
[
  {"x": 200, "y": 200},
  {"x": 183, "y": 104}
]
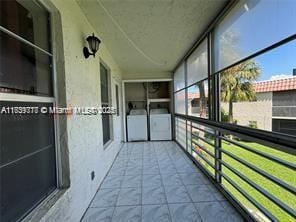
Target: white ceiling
[{"x": 149, "y": 36}]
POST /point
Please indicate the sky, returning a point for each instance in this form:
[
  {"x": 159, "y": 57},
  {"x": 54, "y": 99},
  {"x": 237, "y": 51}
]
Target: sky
[
  {"x": 261, "y": 23},
  {"x": 258, "y": 24},
  {"x": 279, "y": 61}
]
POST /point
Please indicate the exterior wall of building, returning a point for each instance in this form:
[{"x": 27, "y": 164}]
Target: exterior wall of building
[
  {"x": 259, "y": 111},
  {"x": 85, "y": 139}
]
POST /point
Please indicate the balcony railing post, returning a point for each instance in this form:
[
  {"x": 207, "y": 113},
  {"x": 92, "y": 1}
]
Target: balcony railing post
[
  {"x": 190, "y": 137},
  {"x": 186, "y": 136},
  {"x": 218, "y": 156}
]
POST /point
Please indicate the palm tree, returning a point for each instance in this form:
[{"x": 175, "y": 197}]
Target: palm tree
[
  {"x": 237, "y": 84},
  {"x": 203, "y": 99}
]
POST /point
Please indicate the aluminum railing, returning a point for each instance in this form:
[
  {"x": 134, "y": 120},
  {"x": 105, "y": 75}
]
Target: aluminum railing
[{"x": 214, "y": 148}]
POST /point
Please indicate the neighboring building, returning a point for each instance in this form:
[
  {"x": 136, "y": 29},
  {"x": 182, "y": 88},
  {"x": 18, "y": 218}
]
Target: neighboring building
[
  {"x": 194, "y": 104},
  {"x": 283, "y": 103},
  {"x": 274, "y": 108}
]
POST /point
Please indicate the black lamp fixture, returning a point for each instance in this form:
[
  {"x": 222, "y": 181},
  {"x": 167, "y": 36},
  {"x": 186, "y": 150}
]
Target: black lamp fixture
[{"x": 93, "y": 43}]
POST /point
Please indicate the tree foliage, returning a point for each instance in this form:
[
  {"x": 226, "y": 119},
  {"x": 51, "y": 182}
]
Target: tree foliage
[{"x": 237, "y": 84}]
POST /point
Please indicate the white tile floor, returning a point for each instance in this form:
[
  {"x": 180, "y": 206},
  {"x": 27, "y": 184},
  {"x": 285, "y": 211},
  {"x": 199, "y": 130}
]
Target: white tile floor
[{"x": 155, "y": 182}]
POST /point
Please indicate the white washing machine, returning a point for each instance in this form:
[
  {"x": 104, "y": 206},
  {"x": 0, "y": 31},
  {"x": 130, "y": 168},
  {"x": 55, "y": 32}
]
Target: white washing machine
[
  {"x": 160, "y": 124},
  {"x": 137, "y": 125}
]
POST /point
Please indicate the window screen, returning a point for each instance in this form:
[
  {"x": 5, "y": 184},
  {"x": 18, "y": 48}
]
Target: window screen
[
  {"x": 27, "y": 163},
  {"x": 24, "y": 69},
  {"x": 179, "y": 78},
  {"x": 180, "y": 102},
  {"x": 198, "y": 100},
  {"x": 197, "y": 64},
  {"x": 27, "y": 141},
  {"x": 252, "y": 25}
]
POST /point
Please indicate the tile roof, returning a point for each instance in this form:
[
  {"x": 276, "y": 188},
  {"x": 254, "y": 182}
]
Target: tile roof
[
  {"x": 276, "y": 85},
  {"x": 193, "y": 95},
  {"x": 265, "y": 86}
]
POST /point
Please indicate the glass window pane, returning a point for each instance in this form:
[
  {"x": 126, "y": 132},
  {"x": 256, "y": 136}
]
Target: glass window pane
[
  {"x": 198, "y": 99},
  {"x": 106, "y": 127},
  {"x": 27, "y": 19},
  {"x": 105, "y": 89},
  {"x": 179, "y": 78},
  {"x": 180, "y": 102},
  {"x": 284, "y": 126},
  {"x": 197, "y": 64},
  {"x": 23, "y": 69},
  {"x": 261, "y": 92},
  {"x": 104, "y": 84},
  {"x": 27, "y": 164},
  {"x": 252, "y": 25}
]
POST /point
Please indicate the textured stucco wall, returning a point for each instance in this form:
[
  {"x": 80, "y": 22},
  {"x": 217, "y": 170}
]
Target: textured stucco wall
[
  {"x": 85, "y": 143},
  {"x": 260, "y": 111}
]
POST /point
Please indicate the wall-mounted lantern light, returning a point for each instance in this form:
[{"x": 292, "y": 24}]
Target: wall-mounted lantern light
[{"x": 93, "y": 43}]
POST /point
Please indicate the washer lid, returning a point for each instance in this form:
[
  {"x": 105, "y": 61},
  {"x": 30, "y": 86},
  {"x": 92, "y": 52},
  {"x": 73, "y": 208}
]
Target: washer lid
[
  {"x": 159, "y": 111},
  {"x": 138, "y": 112}
]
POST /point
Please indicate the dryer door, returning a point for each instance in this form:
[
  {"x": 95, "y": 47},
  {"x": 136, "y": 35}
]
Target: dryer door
[
  {"x": 160, "y": 127},
  {"x": 137, "y": 127}
]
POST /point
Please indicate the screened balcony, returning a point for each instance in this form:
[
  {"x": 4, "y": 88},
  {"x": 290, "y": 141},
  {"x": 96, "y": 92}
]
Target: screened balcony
[{"x": 224, "y": 71}]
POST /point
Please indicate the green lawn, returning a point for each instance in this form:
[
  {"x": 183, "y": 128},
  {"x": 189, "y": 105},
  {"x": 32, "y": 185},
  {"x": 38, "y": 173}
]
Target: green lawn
[{"x": 277, "y": 170}]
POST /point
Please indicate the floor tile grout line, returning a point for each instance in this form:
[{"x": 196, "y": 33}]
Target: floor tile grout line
[
  {"x": 122, "y": 145},
  {"x": 148, "y": 204},
  {"x": 170, "y": 214},
  {"x": 190, "y": 197},
  {"x": 164, "y": 153},
  {"x": 116, "y": 198},
  {"x": 216, "y": 200},
  {"x": 141, "y": 199}
]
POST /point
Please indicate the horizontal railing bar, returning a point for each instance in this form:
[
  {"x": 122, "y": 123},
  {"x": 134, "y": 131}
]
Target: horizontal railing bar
[
  {"x": 267, "y": 156},
  {"x": 181, "y": 134},
  {"x": 181, "y": 129},
  {"x": 232, "y": 199},
  {"x": 204, "y": 149},
  {"x": 260, "y": 189},
  {"x": 207, "y": 161},
  {"x": 195, "y": 127},
  {"x": 273, "y": 140},
  {"x": 262, "y": 173},
  {"x": 180, "y": 116},
  {"x": 283, "y": 142},
  {"x": 246, "y": 195},
  {"x": 211, "y": 144}
]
